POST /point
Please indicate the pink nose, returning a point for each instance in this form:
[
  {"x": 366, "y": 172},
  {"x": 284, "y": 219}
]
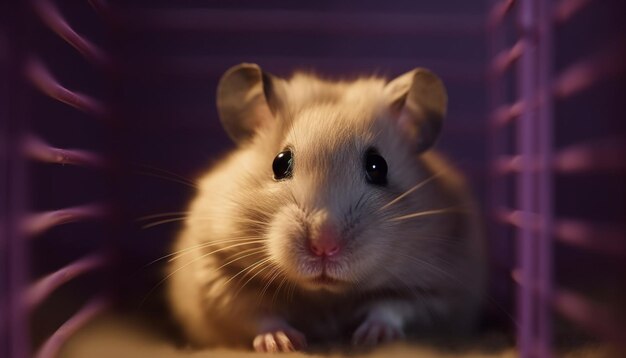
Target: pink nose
[{"x": 326, "y": 243}]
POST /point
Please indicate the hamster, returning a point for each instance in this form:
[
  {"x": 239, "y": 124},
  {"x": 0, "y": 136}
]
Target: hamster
[{"x": 332, "y": 222}]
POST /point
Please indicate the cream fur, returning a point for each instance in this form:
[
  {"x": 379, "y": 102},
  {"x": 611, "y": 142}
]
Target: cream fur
[{"x": 416, "y": 274}]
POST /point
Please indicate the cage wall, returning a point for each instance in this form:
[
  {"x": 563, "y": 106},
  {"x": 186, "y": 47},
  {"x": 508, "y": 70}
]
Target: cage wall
[{"x": 534, "y": 121}]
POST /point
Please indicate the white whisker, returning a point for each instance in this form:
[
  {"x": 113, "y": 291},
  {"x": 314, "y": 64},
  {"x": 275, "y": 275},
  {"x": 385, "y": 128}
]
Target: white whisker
[
  {"x": 264, "y": 264},
  {"x": 161, "y": 222},
  {"x": 425, "y": 213},
  {"x": 252, "y": 267},
  {"x": 411, "y": 190},
  {"x": 275, "y": 273},
  {"x": 191, "y": 262},
  {"x": 248, "y": 253},
  {"x": 202, "y": 245},
  {"x": 160, "y": 215}
]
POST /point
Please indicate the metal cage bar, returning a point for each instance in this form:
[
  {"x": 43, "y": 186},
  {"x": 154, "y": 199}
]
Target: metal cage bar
[
  {"x": 31, "y": 147},
  {"x": 36, "y": 149},
  {"x": 534, "y": 162},
  {"x": 526, "y": 200},
  {"x": 52, "y": 345},
  {"x": 588, "y": 315},
  {"x": 50, "y": 15},
  {"x": 35, "y": 224},
  {"x": 41, "y": 289},
  {"x": 41, "y": 78}
]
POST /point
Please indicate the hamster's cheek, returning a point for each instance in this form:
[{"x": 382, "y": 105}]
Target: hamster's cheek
[{"x": 286, "y": 235}]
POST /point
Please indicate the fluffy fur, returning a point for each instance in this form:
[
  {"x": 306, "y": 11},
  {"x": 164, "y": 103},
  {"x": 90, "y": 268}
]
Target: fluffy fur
[{"x": 412, "y": 254}]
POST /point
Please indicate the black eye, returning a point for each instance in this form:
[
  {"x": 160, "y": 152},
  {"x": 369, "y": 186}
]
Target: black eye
[
  {"x": 375, "y": 168},
  {"x": 283, "y": 165}
]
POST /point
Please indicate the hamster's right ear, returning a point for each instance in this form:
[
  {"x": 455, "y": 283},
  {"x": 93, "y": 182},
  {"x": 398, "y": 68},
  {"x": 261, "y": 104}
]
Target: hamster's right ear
[
  {"x": 418, "y": 102},
  {"x": 246, "y": 100}
]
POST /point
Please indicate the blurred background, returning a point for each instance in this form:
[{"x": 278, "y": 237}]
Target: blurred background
[{"x": 107, "y": 110}]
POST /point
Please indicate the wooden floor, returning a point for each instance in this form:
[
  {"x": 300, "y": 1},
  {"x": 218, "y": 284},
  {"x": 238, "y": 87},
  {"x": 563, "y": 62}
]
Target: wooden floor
[{"x": 114, "y": 336}]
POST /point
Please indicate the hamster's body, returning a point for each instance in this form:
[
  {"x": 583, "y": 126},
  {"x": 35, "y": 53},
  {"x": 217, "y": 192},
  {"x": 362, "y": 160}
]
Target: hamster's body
[{"x": 329, "y": 252}]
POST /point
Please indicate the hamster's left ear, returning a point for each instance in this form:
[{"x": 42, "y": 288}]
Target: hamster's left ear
[{"x": 418, "y": 102}]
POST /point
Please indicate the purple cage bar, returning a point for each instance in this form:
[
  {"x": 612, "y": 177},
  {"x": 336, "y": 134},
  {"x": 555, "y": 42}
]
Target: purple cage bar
[
  {"x": 536, "y": 162},
  {"x": 530, "y": 115},
  {"x": 18, "y": 226}
]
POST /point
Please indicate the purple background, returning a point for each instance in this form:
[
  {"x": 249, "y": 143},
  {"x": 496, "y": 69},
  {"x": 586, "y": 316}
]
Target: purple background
[{"x": 161, "y": 93}]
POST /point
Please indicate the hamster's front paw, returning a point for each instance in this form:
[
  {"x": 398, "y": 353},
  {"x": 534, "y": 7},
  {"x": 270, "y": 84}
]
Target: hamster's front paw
[
  {"x": 376, "y": 331},
  {"x": 283, "y": 340}
]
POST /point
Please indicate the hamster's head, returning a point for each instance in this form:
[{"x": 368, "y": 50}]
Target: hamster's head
[{"x": 334, "y": 159}]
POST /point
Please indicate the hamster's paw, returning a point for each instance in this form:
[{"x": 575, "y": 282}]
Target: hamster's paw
[
  {"x": 373, "y": 332},
  {"x": 285, "y": 340}
]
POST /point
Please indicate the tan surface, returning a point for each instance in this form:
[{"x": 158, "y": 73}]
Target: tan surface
[{"x": 116, "y": 337}]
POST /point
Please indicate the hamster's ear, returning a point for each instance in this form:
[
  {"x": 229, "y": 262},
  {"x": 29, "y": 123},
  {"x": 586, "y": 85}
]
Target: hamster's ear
[
  {"x": 418, "y": 101},
  {"x": 245, "y": 100}
]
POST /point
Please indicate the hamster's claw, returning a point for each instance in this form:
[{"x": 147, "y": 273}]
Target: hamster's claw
[
  {"x": 374, "y": 332},
  {"x": 288, "y": 340}
]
